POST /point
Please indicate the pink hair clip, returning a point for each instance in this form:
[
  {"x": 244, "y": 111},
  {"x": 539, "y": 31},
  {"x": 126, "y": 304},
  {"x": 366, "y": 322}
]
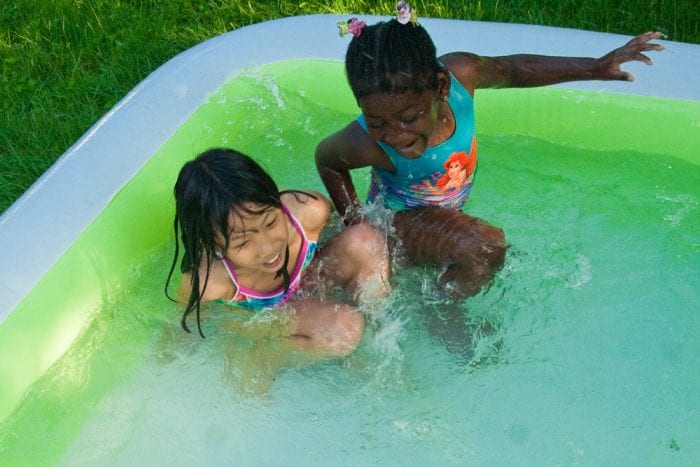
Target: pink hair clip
[
  {"x": 353, "y": 26},
  {"x": 405, "y": 13}
]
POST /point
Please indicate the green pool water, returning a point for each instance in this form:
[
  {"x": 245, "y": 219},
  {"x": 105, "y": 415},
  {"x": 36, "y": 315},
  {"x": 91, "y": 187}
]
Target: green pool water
[{"x": 593, "y": 362}]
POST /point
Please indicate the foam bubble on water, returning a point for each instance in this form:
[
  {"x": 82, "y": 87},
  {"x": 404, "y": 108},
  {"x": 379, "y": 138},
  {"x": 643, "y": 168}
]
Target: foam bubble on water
[
  {"x": 684, "y": 204},
  {"x": 279, "y": 142},
  {"x": 386, "y": 329},
  {"x": 275, "y": 91},
  {"x": 310, "y": 127},
  {"x": 256, "y": 102},
  {"x": 386, "y": 340},
  {"x": 414, "y": 428},
  {"x": 268, "y": 81},
  {"x": 571, "y": 273},
  {"x": 582, "y": 272}
]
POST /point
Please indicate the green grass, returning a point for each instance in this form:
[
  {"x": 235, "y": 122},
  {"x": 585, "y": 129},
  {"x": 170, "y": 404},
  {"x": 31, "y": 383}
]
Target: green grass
[{"x": 64, "y": 63}]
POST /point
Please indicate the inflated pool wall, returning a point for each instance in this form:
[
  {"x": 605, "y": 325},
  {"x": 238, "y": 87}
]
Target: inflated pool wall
[{"x": 71, "y": 240}]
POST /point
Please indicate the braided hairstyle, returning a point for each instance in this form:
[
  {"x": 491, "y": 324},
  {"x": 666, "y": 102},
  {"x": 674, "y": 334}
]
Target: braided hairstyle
[
  {"x": 391, "y": 58},
  {"x": 207, "y": 189}
]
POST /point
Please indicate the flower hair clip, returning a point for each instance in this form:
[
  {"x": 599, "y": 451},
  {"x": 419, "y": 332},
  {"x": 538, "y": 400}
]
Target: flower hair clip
[
  {"x": 405, "y": 14},
  {"x": 352, "y": 26}
]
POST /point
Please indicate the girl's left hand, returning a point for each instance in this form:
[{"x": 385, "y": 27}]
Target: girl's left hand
[{"x": 609, "y": 64}]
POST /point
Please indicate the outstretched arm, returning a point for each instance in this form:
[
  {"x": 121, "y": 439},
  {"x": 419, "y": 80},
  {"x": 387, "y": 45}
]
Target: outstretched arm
[{"x": 539, "y": 70}]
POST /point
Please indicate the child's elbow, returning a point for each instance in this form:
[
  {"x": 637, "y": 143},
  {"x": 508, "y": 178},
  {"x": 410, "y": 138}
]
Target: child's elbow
[{"x": 321, "y": 154}]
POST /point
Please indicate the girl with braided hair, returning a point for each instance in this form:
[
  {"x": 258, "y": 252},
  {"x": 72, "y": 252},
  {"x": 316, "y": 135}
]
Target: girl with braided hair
[{"x": 417, "y": 113}]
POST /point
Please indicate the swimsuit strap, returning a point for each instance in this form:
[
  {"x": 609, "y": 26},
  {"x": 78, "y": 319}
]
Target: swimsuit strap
[
  {"x": 294, "y": 278},
  {"x": 422, "y": 181}
]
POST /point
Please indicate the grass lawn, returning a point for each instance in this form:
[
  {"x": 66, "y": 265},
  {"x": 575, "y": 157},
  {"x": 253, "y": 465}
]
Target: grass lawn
[{"x": 64, "y": 63}]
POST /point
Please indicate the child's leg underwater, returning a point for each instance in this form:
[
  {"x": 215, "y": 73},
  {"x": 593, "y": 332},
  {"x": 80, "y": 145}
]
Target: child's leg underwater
[
  {"x": 327, "y": 328},
  {"x": 473, "y": 249}
]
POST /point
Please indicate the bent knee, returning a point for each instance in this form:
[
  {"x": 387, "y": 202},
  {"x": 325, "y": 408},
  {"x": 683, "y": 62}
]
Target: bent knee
[
  {"x": 365, "y": 238},
  {"x": 367, "y": 248},
  {"x": 370, "y": 260},
  {"x": 495, "y": 247},
  {"x": 350, "y": 327}
]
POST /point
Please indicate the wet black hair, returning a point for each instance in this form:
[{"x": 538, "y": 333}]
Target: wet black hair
[
  {"x": 392, "y": 58},
  {"x": 207, "y": 189}
]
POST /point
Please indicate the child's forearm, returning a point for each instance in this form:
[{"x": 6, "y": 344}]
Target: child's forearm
[
  {"x": 342, "y": 191},
  {"x": 539, "y": 70}
]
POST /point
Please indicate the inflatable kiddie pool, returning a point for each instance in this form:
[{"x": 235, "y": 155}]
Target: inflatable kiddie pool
[{"x": 596, "y": 185}]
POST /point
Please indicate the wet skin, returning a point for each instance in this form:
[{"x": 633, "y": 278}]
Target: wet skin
[
  {"x": 409, "y": 122},
  {"x": 257, "y": 244}
]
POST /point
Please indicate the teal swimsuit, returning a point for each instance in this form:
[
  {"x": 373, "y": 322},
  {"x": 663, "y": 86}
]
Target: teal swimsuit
[
  {"x": 256, "y": 301},
  {"x": 442, "y": 175}
]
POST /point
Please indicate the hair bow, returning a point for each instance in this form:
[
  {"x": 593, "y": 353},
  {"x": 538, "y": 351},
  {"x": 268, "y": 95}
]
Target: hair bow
[
  {"x": 405, "y": 14},
  {"x": 352, "y": 26}
]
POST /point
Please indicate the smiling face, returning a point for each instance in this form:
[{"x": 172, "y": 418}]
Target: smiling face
[
  {"x": 408, "y": 121},
  {"x": 257, "y": 240},
  {"x": 403, "y": 121}
]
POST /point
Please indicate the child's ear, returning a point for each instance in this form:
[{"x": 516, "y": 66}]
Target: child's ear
[{"x": 444, "y": 83}]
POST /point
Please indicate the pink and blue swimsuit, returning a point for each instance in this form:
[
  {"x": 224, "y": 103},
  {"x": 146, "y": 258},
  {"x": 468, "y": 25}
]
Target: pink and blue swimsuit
[
  {"x": 256, "y": 301},
  {"x": 442, "y": 175}
]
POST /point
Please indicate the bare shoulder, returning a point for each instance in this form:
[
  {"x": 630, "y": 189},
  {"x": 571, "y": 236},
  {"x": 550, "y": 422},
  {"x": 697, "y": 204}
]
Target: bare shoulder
[
  {"x": 218, "y": 287},
  {"x": 465, "y": 67},
  {"x": 350, "y": 148},
  {"x": 310, "y": 207}
]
